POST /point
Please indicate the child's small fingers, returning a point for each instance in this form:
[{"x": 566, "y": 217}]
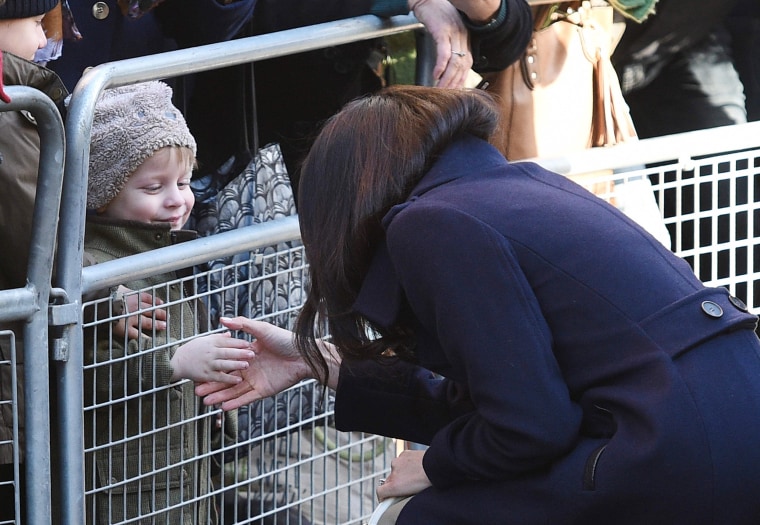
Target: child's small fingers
[{"x": 148, "y": 323}]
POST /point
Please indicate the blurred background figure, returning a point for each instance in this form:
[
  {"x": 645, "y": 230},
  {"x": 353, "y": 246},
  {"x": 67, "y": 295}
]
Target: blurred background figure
[
  {"x": 677, "y": 71},
  {"x": 94, "y": 32}
]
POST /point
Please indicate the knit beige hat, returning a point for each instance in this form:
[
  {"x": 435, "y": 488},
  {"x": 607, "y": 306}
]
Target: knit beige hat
[{"x": 130, "y": 124}]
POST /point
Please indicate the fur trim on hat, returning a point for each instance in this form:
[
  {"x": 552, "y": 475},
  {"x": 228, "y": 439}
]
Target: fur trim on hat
[
  {"x": 130, "y": 124},
  {"x": 12, "y": 9}
]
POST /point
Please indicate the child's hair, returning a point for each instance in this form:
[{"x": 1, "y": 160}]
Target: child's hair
[
  {"x": 129, "y": 125},
  {"x": 12, "y": 9}
]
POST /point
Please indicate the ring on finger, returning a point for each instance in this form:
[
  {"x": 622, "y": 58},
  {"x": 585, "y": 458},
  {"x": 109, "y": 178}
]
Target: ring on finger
[{"x": 458, "y": 53}]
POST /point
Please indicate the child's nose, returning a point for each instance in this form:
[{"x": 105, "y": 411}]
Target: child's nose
[
  {"x": 41, "y": 38},
  {"x": 174, "y": 198}
]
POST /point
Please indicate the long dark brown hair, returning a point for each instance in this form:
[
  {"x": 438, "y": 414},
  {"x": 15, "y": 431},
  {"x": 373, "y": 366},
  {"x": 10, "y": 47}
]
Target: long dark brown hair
[{"x": 366, "y": 159}]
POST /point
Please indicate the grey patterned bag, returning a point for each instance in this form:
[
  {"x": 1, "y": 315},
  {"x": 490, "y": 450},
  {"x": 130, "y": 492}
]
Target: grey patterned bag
[{"x": 260, "y": 193}]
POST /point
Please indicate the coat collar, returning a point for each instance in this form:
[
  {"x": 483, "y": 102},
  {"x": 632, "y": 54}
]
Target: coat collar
[
  {"x": 455, "y": 162},
  {"x": 381, "y": 296},
  {"x": 120, "y": 237},
  {"x": 19, "y": 72}
]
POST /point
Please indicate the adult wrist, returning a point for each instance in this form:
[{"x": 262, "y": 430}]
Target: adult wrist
[{"x": 492, "y": 22}]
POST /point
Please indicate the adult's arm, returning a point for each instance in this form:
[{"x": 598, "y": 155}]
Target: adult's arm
[{"x": 499, "y": 31}]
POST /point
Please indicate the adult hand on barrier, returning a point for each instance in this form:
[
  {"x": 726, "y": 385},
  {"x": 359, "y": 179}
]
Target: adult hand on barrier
[
  {"x": 277, "y": 365},
  {"x": 212, "y": 358},
  {"x": 452, "y": 41}
]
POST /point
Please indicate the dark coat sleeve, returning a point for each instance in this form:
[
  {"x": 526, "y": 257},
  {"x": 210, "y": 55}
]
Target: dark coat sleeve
[
  {"x": 501, "y": 42},
  {"x": 173, "y": 24},
  {"x": 403, "y": 391}
]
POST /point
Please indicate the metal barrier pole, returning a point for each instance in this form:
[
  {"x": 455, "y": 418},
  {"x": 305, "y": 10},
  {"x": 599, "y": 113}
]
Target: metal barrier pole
[
  {"x": 42, "y": 248},
  {"x": 198, "y": 251},
  {"x": 425, "y": 58}
]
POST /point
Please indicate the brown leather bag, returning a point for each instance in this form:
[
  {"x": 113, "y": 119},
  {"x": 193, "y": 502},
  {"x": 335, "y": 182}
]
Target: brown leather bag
[{"x": 563, "y": 94}]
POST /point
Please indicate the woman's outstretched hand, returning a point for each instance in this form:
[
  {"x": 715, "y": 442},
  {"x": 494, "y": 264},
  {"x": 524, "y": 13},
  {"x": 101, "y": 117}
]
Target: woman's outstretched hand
[{"x": 277, "y": 365}]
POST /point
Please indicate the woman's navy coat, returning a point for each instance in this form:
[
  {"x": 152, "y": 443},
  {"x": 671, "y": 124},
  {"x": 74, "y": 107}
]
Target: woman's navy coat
[{"x": 589, "y": 376}]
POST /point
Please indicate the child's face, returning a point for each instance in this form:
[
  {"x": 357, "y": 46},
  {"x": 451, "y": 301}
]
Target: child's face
[
  {"x": 22, "y": 36},
  {"x": 158, "y": 191}
]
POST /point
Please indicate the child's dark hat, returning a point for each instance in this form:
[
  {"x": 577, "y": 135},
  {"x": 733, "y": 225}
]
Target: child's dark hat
[{"x": 11, "y": 9}]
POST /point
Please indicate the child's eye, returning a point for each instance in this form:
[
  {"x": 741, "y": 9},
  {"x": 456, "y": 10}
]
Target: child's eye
[
  {"x": 153, "y": 188},
  {"x": 183, "y": 184}
]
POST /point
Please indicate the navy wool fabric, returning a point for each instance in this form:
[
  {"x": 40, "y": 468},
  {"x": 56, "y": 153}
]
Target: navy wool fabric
[{"x": 583, "y": 374}]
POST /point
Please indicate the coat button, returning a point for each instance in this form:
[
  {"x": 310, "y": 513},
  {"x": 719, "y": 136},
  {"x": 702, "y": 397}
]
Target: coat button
[
  {"x": 712, "y": 309},
  {"x": 738, "y": 303},
  {"x": 100, "y": 10}
]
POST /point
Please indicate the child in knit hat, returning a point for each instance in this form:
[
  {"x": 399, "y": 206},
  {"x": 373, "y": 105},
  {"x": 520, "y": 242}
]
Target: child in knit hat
[{"x": 148, "y": 438}]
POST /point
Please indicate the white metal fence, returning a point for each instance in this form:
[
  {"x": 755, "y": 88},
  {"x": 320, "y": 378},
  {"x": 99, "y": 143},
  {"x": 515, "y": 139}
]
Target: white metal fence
[{"x": 707, "y": 187}]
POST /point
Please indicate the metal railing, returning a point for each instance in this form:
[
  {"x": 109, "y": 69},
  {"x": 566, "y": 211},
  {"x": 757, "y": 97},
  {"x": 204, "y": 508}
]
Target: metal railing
[{"x": 29, "y": 304}]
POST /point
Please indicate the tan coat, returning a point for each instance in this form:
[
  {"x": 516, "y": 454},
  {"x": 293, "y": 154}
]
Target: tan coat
[{"x": 20, "y": 150}]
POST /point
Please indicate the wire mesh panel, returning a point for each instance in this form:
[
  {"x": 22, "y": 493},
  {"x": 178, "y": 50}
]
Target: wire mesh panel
[
  {"x": 10, "y": 449},
  {"x": 154, "y": 454},
  {"x": 709, "y": 207}
]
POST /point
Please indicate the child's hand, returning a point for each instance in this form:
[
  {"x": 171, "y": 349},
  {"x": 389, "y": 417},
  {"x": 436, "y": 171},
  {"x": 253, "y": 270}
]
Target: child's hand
[
  {"x": 277, "y": 366},
  {"x": 211, "y": 358},
  {"x": 133, "y": 325}
]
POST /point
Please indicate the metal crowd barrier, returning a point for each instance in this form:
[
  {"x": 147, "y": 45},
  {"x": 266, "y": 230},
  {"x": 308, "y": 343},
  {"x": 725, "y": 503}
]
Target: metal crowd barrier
[
  {"x": 705, "y": 185},
  {"x": 29, "y": 305}
]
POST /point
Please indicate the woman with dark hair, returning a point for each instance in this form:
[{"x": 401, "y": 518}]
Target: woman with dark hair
[{"x": 561, "y": 364}]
